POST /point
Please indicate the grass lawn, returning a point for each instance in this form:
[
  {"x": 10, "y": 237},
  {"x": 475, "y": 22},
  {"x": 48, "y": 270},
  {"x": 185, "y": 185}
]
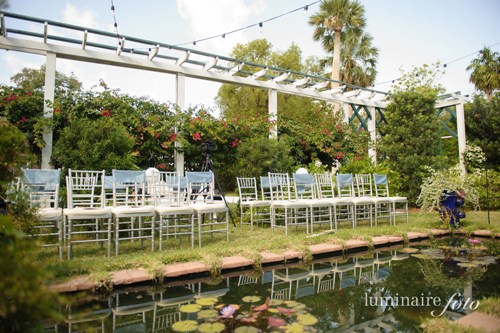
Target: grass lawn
[{"x": 90, "y": 259}]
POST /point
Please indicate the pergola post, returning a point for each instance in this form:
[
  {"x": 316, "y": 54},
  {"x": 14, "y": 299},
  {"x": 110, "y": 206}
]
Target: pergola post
[
  {"x": 273, "y": 112},
  {"x": 461, "y": 135},
  {"x": 180, "y": 100},
  {"x": 48, "y": 108},
  {"x": 372, "y": 129}
]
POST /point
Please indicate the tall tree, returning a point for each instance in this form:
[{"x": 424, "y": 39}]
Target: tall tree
[
  {"x": 486, "y": 72},
  {"x": 334, "y": 17}
]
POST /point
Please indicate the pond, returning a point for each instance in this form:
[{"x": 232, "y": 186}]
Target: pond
[{"x": 379, "y": 291}]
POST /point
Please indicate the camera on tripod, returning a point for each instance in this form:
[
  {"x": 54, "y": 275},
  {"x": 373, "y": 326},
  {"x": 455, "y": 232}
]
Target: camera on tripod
[{"x": 207, "y": 147}]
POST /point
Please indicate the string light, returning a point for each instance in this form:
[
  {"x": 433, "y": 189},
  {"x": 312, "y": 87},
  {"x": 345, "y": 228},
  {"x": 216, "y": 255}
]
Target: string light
[
  {"x": 115, "y": 23},
  {"x": 445, "y": 65},
  {"x": 260, "y": 24}
]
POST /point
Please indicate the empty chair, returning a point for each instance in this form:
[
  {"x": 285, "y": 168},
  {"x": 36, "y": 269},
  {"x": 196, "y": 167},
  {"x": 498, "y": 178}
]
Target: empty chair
[
  {"x": 265, "y": 188},
  {"x": 42, "y": 187},
  {"x": 363, "y": 201},
  {"x": 344, "y": 207},
  {"x": 285, "y": 210},
  {"x": 251, "y": 206},
  {"x": 175, "y": 215},
  {"x": 212, "y": 216},
  {"x": 382, "y": 191},
  {"x": 87, "y": 219},
  {"x": 320, "y": 209},
  {"x": 381, "y": 205},
  {"x": 133, "y": 219}
]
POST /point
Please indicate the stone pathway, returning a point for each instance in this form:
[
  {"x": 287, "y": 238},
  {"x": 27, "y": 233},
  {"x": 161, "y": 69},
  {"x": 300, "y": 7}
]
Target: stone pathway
[{"x": 131, "y": 276}]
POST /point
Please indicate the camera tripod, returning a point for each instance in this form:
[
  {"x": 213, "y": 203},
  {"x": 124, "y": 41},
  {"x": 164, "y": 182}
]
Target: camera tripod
[{"x": 209, "y": 166}]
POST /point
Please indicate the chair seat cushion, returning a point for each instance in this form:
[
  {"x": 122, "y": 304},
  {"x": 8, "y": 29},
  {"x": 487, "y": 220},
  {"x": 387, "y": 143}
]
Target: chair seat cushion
[
  {"x": 49, "y": 213},
  {"x": 255, "y": 203},
  {"x": 134, "y": 210},
  {"x": 91, "y": 212},
  {"x": 209, "y": 207},
  {"x": 163, "y": 210}
]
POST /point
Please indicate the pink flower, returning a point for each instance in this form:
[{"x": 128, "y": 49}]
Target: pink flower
[
  {"x": 474, "y": 241},
  {"x": 197, "y": 137},
  {"x": 227, "y": 311},
  {"x": 22, "y": 120},
  {"x": 173, "y": 137},
  {"x": 28, "y": 93},
  {"x": 234, "y": 143}
]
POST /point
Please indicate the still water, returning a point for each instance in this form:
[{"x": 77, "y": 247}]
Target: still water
[{"x": 386, "y": 290}]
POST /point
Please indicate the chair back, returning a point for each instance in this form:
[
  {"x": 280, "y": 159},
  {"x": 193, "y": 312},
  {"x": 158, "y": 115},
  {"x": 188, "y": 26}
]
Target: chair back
[
  {"x": 200, "y": 185},
  {"x": 265, "y": 188},
  {"x": 324, "y": 185},
  {"x": 42, "y": 186},
  {"x": 363, "y": 186},
  {"x": 169, "y": 188},
  {"x": 247, "y": 188},
  {"x": 381, "y": 185},
  {"x": 304, "y": 186},
  {"x": 280, "y": 186},
  {"x": 129, "y": 188},
  {"x": 85, "y": 188},
  {"x": 345, "y": 185}
]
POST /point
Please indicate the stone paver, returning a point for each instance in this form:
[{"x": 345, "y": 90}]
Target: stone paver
[
  {"x": 269, "y": 257},
  {"x": 480, "y": 321},
  {"x": 293, "y": 254},
  {"x": 396, "y": 239},
  {"x": 380, "y": 240},
  {"x": 440, "y": 232},
  {"x": 325, "y": 248},
  {"x": 235, "y": 262},
  {"x": 482, "y": 233},
  {"x": 355, "y": 244},
  {"x": 185, "y": 268},
  {"x": 130, "y": 276},
  {"x": 76, "y": 284},
  {"x": 417, "y": 235}
]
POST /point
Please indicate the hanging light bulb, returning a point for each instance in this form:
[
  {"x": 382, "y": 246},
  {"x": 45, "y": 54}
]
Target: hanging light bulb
[
  {"x": 306, "y": 8},
  {"x": 112, "y": 9},
  {"x": 261, "y": 26}
]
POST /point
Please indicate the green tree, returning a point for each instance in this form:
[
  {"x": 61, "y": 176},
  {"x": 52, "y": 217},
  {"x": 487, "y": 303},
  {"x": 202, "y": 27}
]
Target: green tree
[
  {"x": 486, "y": 72},
  {"x": 358, "y": 59},
  {"x": 482, "y": 125},
  {"x": 334, "y": 17},
  {"x": 89, "y": 144},
  {"x": 412, "y": 137},
  {"x": 14, "y": 154},
  {"x": 26, "y": 301}
]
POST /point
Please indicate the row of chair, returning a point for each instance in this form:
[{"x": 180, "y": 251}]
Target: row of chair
[
  {"x": 316, "y": 199},
  {"x": 128, "y": 205}
]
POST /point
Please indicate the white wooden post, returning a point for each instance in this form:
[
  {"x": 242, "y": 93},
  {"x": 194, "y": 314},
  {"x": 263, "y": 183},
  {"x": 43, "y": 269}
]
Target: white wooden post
[
  {"x": 372, "y": 128},
  {"x": 461, "y": 135},
  {"x": 273, "y": 112},
  {"x": 180, "y": 100},
  {"x": 48, "y": 108}
]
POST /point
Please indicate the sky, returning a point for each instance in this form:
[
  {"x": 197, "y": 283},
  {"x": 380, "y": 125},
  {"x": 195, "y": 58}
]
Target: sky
[{"x": 407, "y": 33}]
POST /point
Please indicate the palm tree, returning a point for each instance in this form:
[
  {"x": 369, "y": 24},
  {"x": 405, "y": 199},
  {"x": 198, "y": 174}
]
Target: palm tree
[
  {"x": 358, "y": 58},
  {"x": 334, "y": 17},
  {"x": 486, "y": 72}
]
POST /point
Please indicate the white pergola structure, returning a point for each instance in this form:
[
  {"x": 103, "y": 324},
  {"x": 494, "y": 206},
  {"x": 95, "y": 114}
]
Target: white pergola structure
[{"x": 56, "y": 40}]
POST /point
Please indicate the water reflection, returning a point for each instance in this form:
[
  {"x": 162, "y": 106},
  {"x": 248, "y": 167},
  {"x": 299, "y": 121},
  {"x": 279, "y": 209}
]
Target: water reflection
[{"x": 335, "y": 291}]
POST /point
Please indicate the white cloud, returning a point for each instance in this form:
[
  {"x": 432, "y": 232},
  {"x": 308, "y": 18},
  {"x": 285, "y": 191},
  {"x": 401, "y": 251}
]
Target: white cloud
[
  {"x": 211, "y": 18},
  {"x": 78, "y": 16}
]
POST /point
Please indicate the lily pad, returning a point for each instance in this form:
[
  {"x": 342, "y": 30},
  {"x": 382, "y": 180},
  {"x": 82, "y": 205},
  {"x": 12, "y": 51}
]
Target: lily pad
[
  {"x": 251, "y": 299},
  {"x": 275, "y": 302},
  {"x": 409, "y": 250},
  {"x": 290, "y": 304},
  {"x": 190, "y": 308},
  {"x": 420, "y": 256},
  {"x": 206, "y": 301},
  {"x": 207, "y": 314},
  {"x": 295, "y": 328},
  {"x": 276, "y": 322},
  {"x": 211, "y": 327},
  {"x": 468, "y": 264},
  {"x": 306, "y": 319},
  {"x": 246, "y": 329},
  {"x": 185, "y": 326}
]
